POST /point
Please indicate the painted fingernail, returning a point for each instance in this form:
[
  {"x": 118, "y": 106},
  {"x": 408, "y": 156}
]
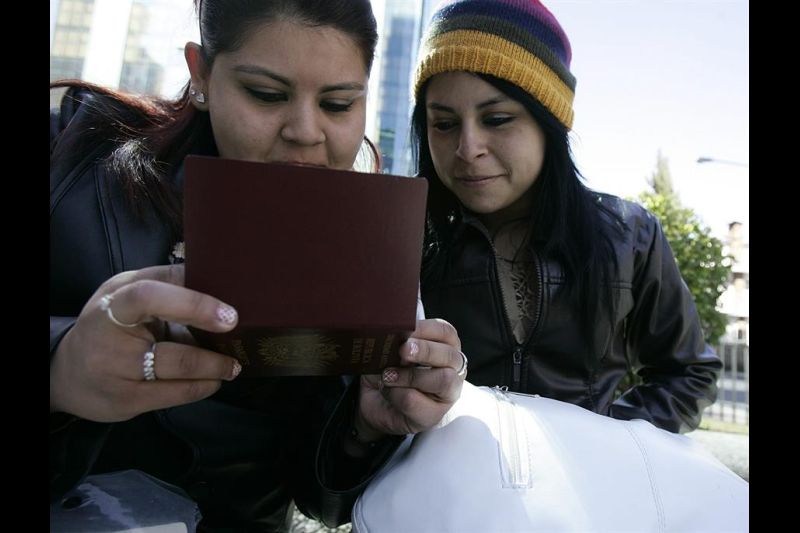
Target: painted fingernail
[
  {"x": 390, "y": 375},
  {"x": 237, "y": 368},
  {"x": 413, "y": 349},
  {"x": 226, "y": 314}
]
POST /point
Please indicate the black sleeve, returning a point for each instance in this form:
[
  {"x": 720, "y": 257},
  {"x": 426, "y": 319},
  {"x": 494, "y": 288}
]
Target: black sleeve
[
  {"x": 59, "y": 325},
  {"x": 74, "y": 443},
  {"x": 665, "y": 343},
  {"x": 74, "y": 447},
  {"x": 61, "y": 116},
  {"x": 332, "y": 488}
]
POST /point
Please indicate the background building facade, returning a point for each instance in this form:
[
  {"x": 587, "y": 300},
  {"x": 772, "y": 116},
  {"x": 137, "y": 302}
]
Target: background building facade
[
  {"x": 735, "y": 301},
  {"x": 133, "y": 45}
]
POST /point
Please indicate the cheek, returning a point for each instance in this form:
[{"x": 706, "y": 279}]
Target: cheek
[
  {"x": 346, "y": 143},
  {"x": 224, "y": 133},
  {"x": 439, "y": 153},
  {"x": 537, "y": 162},
  {"x": 230, "y": 129},
  {"x": 237, "y": 140},
  {"x": 529, "y": 152},
  {"x": 532, "y": 161},
  {"x": 251, "y": 136}
]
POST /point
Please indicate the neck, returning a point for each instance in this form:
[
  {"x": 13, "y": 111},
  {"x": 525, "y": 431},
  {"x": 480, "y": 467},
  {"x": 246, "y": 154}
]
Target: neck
[
  {"x": 510, "y": 237},
  {"x": 519, "y": 210}
]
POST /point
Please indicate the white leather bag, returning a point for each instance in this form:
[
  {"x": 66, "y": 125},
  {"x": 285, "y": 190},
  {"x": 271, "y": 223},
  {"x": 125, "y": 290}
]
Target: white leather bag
[{"x": 508, "y": 462}]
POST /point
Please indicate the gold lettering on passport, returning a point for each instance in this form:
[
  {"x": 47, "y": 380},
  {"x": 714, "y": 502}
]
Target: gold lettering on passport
[
  {"x": 355, "y": 355},
  {"x": 387, "y": 345},
  {"x": 369, "y": 347},
  {"x": 305, "y": 351},
  {"x": 239, "y": 352}
]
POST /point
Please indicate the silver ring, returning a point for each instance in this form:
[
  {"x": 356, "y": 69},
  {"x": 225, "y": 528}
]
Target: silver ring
[
  {"x": 461, "y": 372},
  {"x": 105, "y": 305},
  {"x": 149, "y": 364}
]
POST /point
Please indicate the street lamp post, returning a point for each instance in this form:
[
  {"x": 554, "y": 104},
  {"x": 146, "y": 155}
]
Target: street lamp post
[{"x": 723, "y": 161}]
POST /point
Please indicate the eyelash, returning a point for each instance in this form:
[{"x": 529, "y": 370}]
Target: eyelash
[
  {"x": 336, "y": 108},
  {"x": 269, "y": 97},
  {"x": 498, "y": 121},
  {"x": 272, "y": 98},
  {"x": 442, "y": 125},
  {"x": 492, "y": 122}
]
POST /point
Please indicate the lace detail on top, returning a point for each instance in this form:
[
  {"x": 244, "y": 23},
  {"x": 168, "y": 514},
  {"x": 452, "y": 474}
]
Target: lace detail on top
[
  {"x": 176, "y": 256},
  {"x": 515, "y": 267},
  {"x": 518, "y": 290}
]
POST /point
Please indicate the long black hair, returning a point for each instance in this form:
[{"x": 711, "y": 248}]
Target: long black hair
[
  {"x": 153, "y": 135},
  {"x": 576, "y": 229}
]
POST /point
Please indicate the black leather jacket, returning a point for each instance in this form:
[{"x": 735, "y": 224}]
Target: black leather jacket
[
  {"x": 656, "y": 328},
  {"x": 243, "y": 454}
]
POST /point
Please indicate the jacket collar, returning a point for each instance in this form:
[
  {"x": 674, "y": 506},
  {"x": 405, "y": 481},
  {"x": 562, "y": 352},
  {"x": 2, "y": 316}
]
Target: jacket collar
[{"x": 462, "y": 217}]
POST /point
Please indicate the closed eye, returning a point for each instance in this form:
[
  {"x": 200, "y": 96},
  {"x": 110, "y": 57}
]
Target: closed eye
[
  {"x": 497, "y": 120},
  {"x": 335, "y": 107},
  {"x": 444, "y": 125},
  {"x": 269, "y": 97}
]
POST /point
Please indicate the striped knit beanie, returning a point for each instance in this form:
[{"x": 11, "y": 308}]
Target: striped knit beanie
[{"x": 519, "y": 41}]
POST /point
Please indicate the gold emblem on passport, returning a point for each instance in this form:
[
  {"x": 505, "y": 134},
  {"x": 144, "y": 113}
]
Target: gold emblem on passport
[{"x": 304, "y": 351}]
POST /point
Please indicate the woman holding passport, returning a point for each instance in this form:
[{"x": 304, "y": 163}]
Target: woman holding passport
[
  {"x": 555, "y": 289},
  {"x": 271, "y": 81}
]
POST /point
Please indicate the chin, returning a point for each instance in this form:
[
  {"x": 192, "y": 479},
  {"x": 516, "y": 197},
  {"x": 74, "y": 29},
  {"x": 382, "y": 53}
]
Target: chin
[{"x": 480, "y": 208}]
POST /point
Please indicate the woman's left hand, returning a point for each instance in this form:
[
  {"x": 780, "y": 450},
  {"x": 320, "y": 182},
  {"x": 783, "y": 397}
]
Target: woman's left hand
[{"x": 415, "y": 396}]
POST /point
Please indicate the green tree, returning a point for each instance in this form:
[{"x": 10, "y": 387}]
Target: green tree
[
  {"x": 703, "y": 265},
  {"x": 661, "y": 179}
]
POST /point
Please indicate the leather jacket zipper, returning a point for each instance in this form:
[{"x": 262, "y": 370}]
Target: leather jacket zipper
[
  {"x": 516, "y": 358},
  {"x": 524, "y": 347},
  {"x": 517, "y": 367},
  {"x": 519, "y": 349}
]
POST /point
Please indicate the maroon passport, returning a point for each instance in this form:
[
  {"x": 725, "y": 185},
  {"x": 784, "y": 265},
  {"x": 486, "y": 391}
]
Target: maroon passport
[{"x": 322, "y": 265}]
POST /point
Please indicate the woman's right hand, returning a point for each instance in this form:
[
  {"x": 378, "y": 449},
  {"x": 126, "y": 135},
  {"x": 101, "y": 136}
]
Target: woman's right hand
[{"x": 97, "y": 372}]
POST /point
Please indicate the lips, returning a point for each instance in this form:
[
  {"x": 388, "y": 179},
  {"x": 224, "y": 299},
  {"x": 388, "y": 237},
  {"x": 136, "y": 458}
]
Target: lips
[
  {"x": 477, "y": 179},
  {"x": 303, "y": 164}
]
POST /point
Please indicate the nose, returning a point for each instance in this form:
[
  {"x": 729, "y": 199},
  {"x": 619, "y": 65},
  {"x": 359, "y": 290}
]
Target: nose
[
  {"x": 471, "y": 143},
  {"x": 301, "y": 125}
]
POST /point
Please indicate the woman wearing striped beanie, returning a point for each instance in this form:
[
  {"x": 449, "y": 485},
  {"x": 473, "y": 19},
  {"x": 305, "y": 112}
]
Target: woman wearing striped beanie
[{"x": 554, "y": 289}]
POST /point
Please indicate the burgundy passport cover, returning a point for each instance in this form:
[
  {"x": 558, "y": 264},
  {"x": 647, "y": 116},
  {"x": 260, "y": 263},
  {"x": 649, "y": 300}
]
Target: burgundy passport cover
[{"x": 322, "y": 265}]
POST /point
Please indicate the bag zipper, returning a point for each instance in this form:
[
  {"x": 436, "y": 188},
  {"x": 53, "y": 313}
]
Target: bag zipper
[{"x": 512, "y": 442}]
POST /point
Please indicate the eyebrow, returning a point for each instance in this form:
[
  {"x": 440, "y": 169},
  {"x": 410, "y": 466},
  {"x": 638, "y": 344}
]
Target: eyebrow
[
  {"x": 261, "y": 71},
  {"x": 486, "y": 103}
]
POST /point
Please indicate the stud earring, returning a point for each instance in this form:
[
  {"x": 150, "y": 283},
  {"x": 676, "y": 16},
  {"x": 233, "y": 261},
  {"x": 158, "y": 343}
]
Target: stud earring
[{"x": 199, "y": 96}]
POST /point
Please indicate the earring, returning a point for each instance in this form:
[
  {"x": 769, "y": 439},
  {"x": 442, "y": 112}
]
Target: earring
[{"x": 200, "y": 97}]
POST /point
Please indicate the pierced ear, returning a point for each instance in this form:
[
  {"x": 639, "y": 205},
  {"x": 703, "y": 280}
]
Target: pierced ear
[
  {"x": 199, "y": 96},
  {"x": 198, "y": 70}
]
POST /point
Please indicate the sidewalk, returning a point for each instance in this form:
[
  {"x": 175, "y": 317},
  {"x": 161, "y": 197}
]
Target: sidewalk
[{"x": 732, "y": 449}]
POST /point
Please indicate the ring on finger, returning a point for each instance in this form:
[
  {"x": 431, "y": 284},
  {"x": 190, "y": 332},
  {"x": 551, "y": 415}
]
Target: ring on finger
[
  {"x": 462, "y": 372},
  {"x": 105, "y": 305},
  {"x": 149, "y": 364}
]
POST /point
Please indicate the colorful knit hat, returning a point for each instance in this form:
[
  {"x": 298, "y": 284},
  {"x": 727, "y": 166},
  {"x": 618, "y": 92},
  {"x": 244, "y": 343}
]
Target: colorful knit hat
[{"x": 519, "y": 41}]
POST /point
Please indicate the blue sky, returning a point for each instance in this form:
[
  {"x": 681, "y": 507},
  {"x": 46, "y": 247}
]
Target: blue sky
[{"x": 668, "y": 75}]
